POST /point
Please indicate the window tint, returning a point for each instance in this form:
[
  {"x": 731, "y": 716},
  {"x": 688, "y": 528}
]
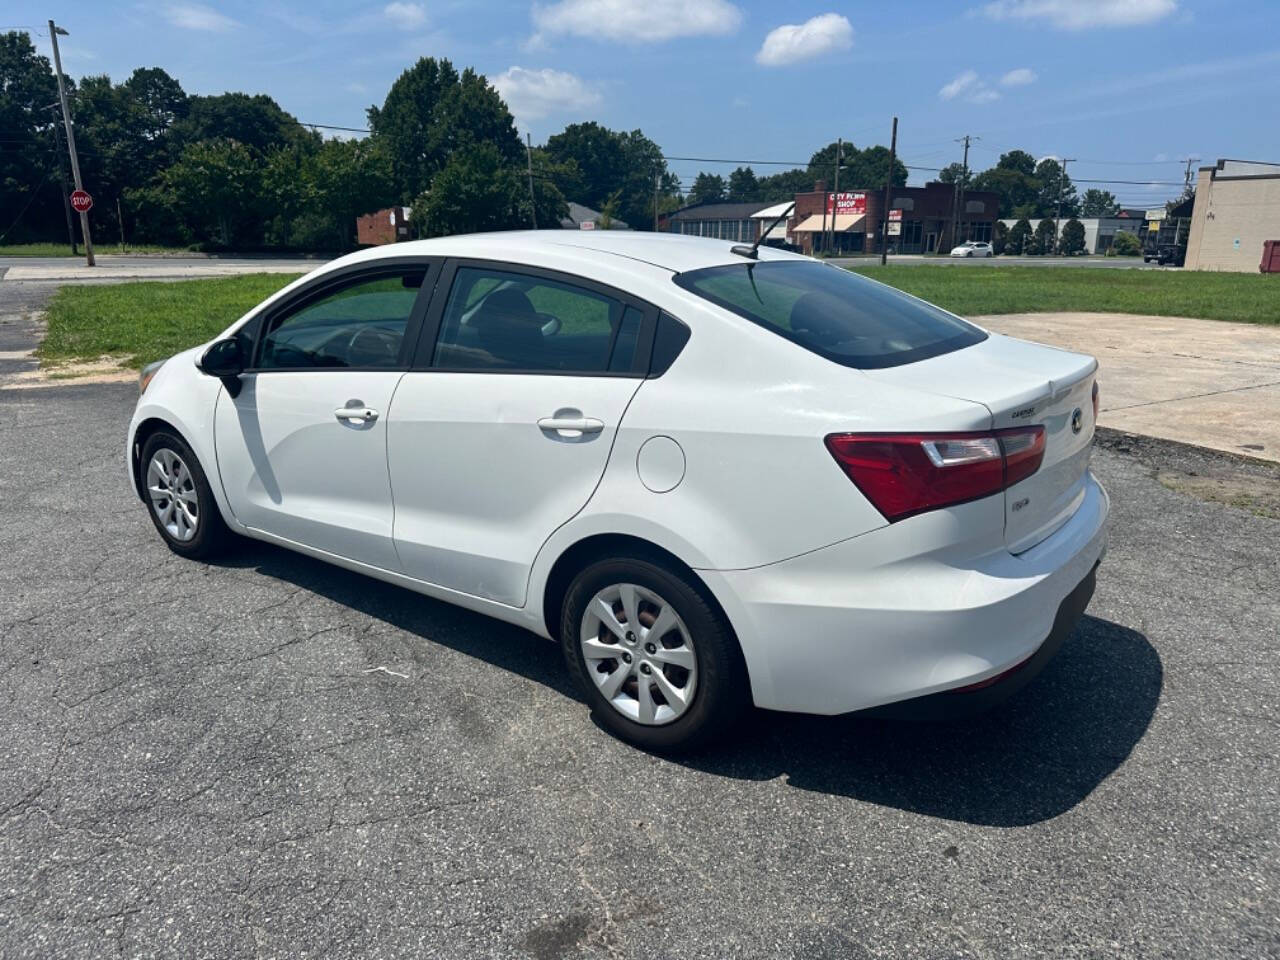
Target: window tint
[
  {"x": 496, "y": 320},
  {"x": 361, "y": 324},
  {"x": 832, "y": 312}
]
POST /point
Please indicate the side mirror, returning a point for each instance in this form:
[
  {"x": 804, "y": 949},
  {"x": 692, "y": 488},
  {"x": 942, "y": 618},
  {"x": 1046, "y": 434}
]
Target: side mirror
[{"x": 225, "y": 361}]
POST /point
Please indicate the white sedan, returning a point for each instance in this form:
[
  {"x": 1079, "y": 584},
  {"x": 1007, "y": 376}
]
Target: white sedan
[
  {"x": 715, "y": 480},
  {"x": 972, "y": 248}
]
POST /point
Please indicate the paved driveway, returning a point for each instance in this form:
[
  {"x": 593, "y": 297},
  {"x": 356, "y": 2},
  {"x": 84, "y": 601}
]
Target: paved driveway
[
  {"x": 270, "y": 756},
  {"x": 1205, "y": 382}
]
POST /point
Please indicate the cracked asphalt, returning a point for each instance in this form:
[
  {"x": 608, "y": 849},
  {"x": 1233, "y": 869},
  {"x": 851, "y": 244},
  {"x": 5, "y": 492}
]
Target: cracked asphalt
[{"x": 273, "y": 757}]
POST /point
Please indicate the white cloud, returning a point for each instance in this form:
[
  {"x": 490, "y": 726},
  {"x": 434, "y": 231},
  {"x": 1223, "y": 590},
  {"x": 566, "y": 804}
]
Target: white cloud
[
  {"x": 959, "y": 85},
  {"x": 969, "y": 87},
  {"x": 194, "y": 16},
  {"x": 405, "y": 15},
  {"x": 1019, "y": 77},
  {"x": 642, "y": 21},
  {"x": 798, "y": 42},
  {"x": 535, "y": 93},
  {"x": 1082, "y": 14}
]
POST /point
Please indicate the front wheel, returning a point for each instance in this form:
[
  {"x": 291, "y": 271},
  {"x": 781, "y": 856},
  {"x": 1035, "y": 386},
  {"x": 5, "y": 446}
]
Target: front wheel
[
  {"x": 179, "y": 499},
  {"x": 659, "y": 665}
]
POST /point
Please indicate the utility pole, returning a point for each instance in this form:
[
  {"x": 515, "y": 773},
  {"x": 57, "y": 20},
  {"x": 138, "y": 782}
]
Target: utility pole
[
  {"x": 1057, "y": 220},
  {"x": 528, "y": 155},
  {"x": 888, "y": 194},
  {"x": 657, "y": 176},
  {"x": 830, "y": 242},
  {"x": 54, "y": 30},
  {"x": 120, "y": 220},
  {"x": 1186, "y": 178},
  {"x": 958, "y": 197},
  {"x": 62, "y": 185}
]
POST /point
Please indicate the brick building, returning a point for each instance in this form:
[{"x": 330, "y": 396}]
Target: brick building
[
  {"x": 853, "y": 221},
  {"x": 383, "y": 226}
]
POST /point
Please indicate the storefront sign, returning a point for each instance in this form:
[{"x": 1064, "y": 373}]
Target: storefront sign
[{"x": 853, "y": 204}]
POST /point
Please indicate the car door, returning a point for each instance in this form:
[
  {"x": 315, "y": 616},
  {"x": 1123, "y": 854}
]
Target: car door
[
  {"x": 501, "y": 431},
  {"x": 301, "y": 448}
]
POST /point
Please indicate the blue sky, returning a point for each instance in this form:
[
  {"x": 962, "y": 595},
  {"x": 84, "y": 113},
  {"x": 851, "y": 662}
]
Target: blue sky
[{"x": 1125, "y": 86}]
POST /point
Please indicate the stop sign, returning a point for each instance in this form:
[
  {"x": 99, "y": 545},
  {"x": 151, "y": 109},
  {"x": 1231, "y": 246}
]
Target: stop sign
[{"x": 81, "y": 201}]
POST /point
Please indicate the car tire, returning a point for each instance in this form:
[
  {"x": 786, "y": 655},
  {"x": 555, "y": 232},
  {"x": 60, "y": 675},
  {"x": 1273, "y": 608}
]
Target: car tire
[
  {"x": 718, "y": 687},
  {"x": 179, "y": 499}
]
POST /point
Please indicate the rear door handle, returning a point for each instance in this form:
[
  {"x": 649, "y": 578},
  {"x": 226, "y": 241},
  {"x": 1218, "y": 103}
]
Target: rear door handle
[
  {"x": 364, "y": 414},
  {"x": 571, "y": 424}
]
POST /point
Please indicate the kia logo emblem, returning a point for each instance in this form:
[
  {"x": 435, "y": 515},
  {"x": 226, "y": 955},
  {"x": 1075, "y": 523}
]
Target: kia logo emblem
[{"x": 1077, "y": 420}]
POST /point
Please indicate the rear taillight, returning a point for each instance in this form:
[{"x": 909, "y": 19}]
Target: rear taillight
[
  {"x": 906, "y": 474},
  {"x": 1095, "y": 401}
]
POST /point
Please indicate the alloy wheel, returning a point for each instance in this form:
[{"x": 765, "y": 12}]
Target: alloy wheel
[
  {"x": 639, "y": 654},
  {"x": 172, "y": 491}
]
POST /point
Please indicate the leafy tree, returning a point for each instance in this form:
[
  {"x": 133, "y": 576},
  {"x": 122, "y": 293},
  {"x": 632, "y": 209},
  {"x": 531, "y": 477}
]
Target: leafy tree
[
  {"x": 477, "y": 191},
  {"x": 1019, "y": 235},
  {"x": 1125, "y": 244},
  {"x": 1042, "y": 240},
  {"x": 778, "y": 187},
  {"x": 1072, "y": 241},
  {"x": 999, "y": 237},
  {"x": 743, "y": 187},
  {"x": 30, "y": 182},
  {"x": 216, "y": 188},
  {"x": 1055, "y": 186},
  {"x": 1017, "y": 191},
  {"x": 608, "y": 161},
  {"x": 859, "y": 169},
  {"x": 955, "y": 173},
  {"x": 317, "y": 193},
  {"x": 1018, "y": 161},
  {"x": 159, "y": 101},
  {"x": 1098, "y": 203},
  {"x": 707, "y": 188},
  {"x": 256, "y": 122},
  {"x": 430, "y": 112}
]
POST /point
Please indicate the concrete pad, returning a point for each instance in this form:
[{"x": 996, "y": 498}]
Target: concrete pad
[{"x": 1204, "y": 382}]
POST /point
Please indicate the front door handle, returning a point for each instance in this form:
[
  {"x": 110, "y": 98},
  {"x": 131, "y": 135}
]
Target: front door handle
[
  {"x": 576, "y": 425},
  {"x": 363, "y": 414}
]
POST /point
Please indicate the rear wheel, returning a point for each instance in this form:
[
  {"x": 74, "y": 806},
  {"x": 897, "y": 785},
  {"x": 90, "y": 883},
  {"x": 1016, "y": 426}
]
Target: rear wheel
[
  {"x": 658, "y": 664},
  {"x": 179, "y": 499}
]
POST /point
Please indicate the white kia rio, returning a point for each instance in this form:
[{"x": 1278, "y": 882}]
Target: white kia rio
[{"x": 716, "y": 480}]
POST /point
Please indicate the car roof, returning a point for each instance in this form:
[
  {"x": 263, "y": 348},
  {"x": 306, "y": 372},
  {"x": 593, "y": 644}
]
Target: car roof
[{"x": 668, "y": 252}]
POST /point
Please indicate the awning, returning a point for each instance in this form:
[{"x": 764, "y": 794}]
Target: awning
[{"x": 843, "y": 222}]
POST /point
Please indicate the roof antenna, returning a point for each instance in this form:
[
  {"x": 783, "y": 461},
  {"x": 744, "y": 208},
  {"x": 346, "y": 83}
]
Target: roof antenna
[{"x": 742, "y": 250}]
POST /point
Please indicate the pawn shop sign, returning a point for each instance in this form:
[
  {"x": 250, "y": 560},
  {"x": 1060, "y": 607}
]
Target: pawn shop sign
[{"x": 81, "y": 201}]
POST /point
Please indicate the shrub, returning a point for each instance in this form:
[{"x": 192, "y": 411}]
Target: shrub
[
  {"x": 1072, "y": 237},
  {"x": 1125, "y": 245},
  {"x": 1016, "y": 244}
]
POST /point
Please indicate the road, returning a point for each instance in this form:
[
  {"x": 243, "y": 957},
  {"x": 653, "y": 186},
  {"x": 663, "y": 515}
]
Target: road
[
  {"x": 1084, "y": 263},
  {"x": 271, "y": 756}
]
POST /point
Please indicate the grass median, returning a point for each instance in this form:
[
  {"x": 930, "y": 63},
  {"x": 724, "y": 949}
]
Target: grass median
[
  {"x": 63, "y": 250},
  {"x": 973, "y": 291},
  {"x": 141, "y": 322}
]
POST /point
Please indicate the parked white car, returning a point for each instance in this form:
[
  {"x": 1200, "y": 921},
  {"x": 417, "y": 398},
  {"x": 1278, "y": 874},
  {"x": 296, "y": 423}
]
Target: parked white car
[
  {"x": 972, "y": 248},
  {"x": 715, "y": 480}
]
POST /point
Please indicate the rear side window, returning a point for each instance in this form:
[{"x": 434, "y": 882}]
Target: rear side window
[
  {"x": 499, "y": 320},
  {"x": 834, "y": 313}
]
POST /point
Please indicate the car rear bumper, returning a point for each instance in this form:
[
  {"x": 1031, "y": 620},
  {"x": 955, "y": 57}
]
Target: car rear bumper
[{"x": 859, "y": 624}]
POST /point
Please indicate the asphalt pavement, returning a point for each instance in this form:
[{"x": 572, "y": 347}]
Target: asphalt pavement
[
  {"x": 271, "y": 756},
  {"x": 916, "y": 260}
]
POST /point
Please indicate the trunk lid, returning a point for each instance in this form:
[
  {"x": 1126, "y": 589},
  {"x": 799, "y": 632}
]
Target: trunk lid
[{"x": 1022, "y": 384}]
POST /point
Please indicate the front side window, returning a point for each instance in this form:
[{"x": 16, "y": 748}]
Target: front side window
[
  {"x": 836, "y": 314},
  {"x": 499, "y": 320},
  {"x": 359, "y": 325}
]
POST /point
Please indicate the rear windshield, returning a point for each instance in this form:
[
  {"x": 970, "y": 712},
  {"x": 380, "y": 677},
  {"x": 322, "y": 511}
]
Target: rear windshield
[{"x": 837, "y": 314}]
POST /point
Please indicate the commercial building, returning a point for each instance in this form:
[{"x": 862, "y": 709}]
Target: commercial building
[
  {"x": 383, "y": 226},
  {"x": 720, "y": 221},
  {"x": 1237, "y": 210},
  {"x": 1099, "y": 232},
  {"x": 582, "y": 217},
  {"x": 921, "y": 220}
]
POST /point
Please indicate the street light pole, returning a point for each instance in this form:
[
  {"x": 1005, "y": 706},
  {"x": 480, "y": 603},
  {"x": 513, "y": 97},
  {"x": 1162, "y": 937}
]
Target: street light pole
[
  {"x": 888, "y": 194},
  {"x": 1057, "y": 220},
  {"x": 54, "y": 30}
]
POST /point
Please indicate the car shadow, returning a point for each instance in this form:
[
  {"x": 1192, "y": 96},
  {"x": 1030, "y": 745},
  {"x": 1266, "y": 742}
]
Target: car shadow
[{"x": 1029, "y": 760}]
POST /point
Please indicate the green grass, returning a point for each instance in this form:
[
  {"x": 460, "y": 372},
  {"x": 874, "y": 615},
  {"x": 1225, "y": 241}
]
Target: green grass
[
  {"x": 62, "y": 250},
  {"x": 1243, "y": 297},
  {"x": 141, "y": 322}
]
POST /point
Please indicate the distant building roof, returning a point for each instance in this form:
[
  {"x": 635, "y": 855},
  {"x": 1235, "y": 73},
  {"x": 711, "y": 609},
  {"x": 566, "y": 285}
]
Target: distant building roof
[
  {"x": 771, "y": 213},
  {"x": 715, "y": 211},
  {"x": 580, "y": 214}
]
